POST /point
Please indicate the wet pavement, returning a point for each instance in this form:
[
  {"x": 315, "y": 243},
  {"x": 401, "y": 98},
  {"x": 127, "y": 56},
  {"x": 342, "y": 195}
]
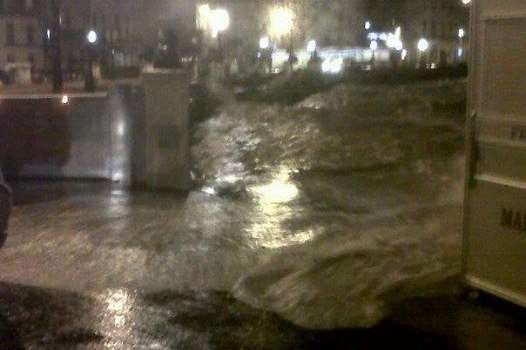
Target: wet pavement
[
  {"x": 38, "y": 318},
  {"x": 308, "y": 216}
]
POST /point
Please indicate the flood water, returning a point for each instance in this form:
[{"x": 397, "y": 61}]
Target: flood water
[
  {"x": 352, "y": 197},
  {"x": 326, "y": 213}
]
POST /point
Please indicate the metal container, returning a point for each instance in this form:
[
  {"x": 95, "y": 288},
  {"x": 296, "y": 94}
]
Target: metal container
[
  {"x": 166, "y": 134},
  {"x": 494, "y": 247}
]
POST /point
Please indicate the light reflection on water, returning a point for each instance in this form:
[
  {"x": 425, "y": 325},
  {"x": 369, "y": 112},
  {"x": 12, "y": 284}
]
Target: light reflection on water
[
  {"x": 118, "y": 318},
  {"x": 280, "y": 190},
  {"x": 273, "y": 200}
]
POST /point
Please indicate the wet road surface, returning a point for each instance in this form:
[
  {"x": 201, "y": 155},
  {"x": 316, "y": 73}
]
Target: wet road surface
[
  {"x": 318, "y": 217},
  {"x": 38, "y": 318}
]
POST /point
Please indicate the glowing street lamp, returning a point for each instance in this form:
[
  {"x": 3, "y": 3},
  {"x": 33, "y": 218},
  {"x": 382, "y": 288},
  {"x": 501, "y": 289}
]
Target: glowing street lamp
[
  {"x": 281, "y": 21},
  {"x": 423, "y": 45},
  {"x": 203, "y": 17},
  {"x": 367, "y": 25},
  {"x": 311, "y": 46},
  {"x": 281, "y": 24},
  {"x": 374, "y": 45},
  {"x": 461, "y": 35},
  {"x": 92, "y": 37},
  {"x": 394, "y": 40},
  {"x": 466, "y": 2},
  {"x": 264, "y": 43},
  {"x": 219, "y": 21}
]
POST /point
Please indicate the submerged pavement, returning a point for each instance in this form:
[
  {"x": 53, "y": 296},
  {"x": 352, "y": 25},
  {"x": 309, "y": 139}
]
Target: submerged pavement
[
  {"x": 50, "y": 299},
  {"x": 311, "y": 217}
]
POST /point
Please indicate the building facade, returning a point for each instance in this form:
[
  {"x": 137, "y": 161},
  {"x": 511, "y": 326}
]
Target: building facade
[
  {"x": 20, "y": 34},
  {"x": 128, "y": 31},
  {"x": 443, "y": 24},
  {"x": 438, "y": 22},
  {"x": 329, "y": 23}
]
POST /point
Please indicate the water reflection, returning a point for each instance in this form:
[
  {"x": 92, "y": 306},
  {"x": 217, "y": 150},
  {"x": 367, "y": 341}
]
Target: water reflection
[
  {"x": 275, "y": 205},
  {"x": 280, "y": 190},
  {"x": 118, "y": 318}
]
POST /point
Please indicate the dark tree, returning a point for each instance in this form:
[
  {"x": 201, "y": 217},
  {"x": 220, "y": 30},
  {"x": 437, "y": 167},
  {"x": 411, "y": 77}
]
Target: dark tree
[
  {"x": 55, "y": 45},
  {"x": 168, "y": 52}
]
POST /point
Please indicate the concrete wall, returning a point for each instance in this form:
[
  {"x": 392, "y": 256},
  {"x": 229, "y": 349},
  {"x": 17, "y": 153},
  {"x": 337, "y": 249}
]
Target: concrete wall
[
  {"x": 135, "y": 134},
  {"x": 96, "y": 136},
  {"x": 85, "y": 151}
]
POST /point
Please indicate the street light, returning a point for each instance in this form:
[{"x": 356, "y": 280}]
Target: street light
[
  {"x": 394, "y": 40},
  {"x": 466, "y": 2},
  {"x": 203, "y": 17},
  {"x": 461, "y": 35},
  {"x": 311, "y": 46},
  {"x": 423, "y": 45},
  {"x": 374, "y": 45},
  {"x": 281, "y": 21},
  {"x": 264, "y": 43},
  {"x": 219, "y": 21},
  {"x": 281, "y": 24},
  {"x": 92, "y": 38},
  {"x": 367, "y": 25}
]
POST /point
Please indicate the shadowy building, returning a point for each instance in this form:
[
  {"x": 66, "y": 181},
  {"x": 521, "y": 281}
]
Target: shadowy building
[
  {"x": 129, "y": 32},
  {"x": 441, "y": 26},
  {"x": 21, "y": 51}
]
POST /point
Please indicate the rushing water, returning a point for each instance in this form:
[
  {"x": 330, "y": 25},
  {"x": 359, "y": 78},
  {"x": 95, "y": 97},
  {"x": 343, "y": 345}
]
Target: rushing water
[
  {"x": 326, "y": 212},
  {"x": 352, "y": 197}
]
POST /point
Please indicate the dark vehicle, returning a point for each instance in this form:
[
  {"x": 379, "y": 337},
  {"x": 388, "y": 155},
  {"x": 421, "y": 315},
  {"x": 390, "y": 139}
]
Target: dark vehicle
[{"x": 5, "y": 209}]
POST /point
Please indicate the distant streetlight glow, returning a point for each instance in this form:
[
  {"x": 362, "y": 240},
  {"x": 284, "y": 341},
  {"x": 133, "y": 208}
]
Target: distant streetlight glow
[
  {"x": 311, "y": 46},
  {"x": 373, "y": 45},
  {"x": 92, "y": 37},
  {"x": 461, "y": 33},
  {"x": 65, "y": 99},
  {"x": 48, "y": 34},
  {"x": 394, "y": 40},
  {"x": 332, "y": 65},
  {"x": 264, "y": 43},
  {"x": 404, "y": 54},
  {"x": 423, "y": 45},
  {"x": 466, "y": 2},
  {"x": 203, "y": 16},
  {"x": 367, "y": 25},
  {"x": 281, "y": 21},
  {"x": 219, "y": 21}
]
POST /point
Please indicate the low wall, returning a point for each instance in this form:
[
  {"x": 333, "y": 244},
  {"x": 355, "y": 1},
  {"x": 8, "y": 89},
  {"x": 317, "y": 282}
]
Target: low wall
[
  {"x": 133, "y": 134},
  {"x": 62, "y": 136}
]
